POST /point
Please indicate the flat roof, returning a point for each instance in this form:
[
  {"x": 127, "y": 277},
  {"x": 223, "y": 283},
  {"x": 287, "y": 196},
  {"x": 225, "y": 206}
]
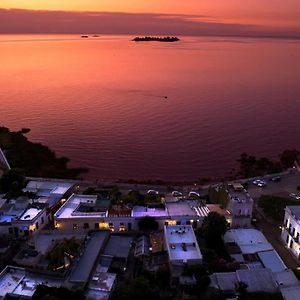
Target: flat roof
[
  {"x": 241, "y": 196},
  {"x": 30, "y": 214},
  {"x": 16, "y": 281},
  {"x": 182, "y": 243},
  {"x": 69, "y": 208},
  {"x": 143, "y": 211},
  {"x": 286, "y": 278},
  {"x": 291, "y": 293},
  {"x": 102, "y": 281},
  {"x": 187, "y": 208},
  {"x": 118, "y": 246},
  {"x": 249, "y": 240},
  {"x": 43, "y": 242},
  {"x": 256, "y": 279},
  {"x": 272, "y": 260},
  {"x": 84, "y": 267},
  {"x": 46, "y": 187}
]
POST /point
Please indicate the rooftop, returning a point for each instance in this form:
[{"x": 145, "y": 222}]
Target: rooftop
[
  {"x": 256, "y": 279},
  {"x": 118, "y": 246},
  {"x": 83, "y": 269},
  {"x": 290, "y": 293},
  {"x": 249, "y": 240},
  {"x": 73, "y": 207},
  {"x": 295, "y": 211},
  {"x": 17, "y": 281},
  {"x": 102, "y": 281},
  {"x": 272, "y": 261},
  {"x": 30, "y": 214},
  {"x": 142, "y": 211},
  {"x": 239, "y": 195},
  {"x": 181, "y": 243},
  {"x": 44, "y": 188},
  {"x": 187, "y": 208}
]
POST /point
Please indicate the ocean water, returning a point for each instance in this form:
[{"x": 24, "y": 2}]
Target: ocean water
[{"x": 102, "y": 101}]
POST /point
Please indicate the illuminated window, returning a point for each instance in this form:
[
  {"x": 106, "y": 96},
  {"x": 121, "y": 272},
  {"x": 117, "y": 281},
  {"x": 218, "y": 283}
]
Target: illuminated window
[
  {"x": 170, "y": 222},
  {"x": 122, "y": 227},
  {"x": 75, "y": 226},
  {"x": 103, "y": 225},
  {"x": 111, "y": 227}
]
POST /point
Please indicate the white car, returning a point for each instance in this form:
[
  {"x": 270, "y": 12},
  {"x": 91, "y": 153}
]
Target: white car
[
  {"x": 152, "y": 192},
  {"x": 176, "y": 194},
  {"x": 194, "y": 194},
  {"x": 295, "y": 196},
  {"x": 259, "y": 182}
]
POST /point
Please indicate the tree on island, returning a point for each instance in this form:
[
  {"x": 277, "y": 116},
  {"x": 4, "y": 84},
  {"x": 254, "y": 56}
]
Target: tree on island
[
  {"x": 12, "y": 182},
  {"x": 148, "y": 224}
]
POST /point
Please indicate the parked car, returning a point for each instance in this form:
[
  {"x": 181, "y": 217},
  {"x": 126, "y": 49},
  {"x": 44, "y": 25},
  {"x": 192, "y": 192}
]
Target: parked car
[
  {"x": 176, "y": 194},
  {"x": 295, "y": 196},
  {"x": 259, "y": 182},
  {"x": 194, "y": 194},
  {"x": 152, "y": 192}
]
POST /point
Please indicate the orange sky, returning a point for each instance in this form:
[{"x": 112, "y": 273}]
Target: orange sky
[{"x": 262, "y": 12}]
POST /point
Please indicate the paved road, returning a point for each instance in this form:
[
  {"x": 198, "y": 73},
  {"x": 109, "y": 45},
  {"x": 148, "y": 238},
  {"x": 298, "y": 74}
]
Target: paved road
[{"x": 287, "y": 185}]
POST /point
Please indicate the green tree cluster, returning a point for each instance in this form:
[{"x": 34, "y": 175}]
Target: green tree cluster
[
  {"x": 12, "y": 182},
  {"x": 273, "y": 206},
  {"x": 218, "y": 195},
  {"x": 57, "y": 255}
]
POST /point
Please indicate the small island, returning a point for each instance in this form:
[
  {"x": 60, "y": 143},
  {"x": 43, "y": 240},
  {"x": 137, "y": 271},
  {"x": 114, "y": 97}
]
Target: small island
[{"x": 166, "y": 39}]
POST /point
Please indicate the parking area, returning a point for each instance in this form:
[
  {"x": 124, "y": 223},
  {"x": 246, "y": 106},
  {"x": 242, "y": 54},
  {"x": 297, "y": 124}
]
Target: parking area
[{"x": 286, "y": 186}]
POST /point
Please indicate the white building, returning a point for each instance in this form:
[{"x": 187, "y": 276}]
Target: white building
[
  {"x": 181, "y": 244},
  {"x": 240, "y": 206},
  {"x": 291, "y": 229},
  {"x": 85, "y": 212}
]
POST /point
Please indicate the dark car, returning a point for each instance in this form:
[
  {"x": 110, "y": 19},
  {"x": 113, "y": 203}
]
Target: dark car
[{"x": 276, "y": 179}]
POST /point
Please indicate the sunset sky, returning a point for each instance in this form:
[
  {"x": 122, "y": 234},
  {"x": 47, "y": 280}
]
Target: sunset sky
[{"x": 276, "y": 17}]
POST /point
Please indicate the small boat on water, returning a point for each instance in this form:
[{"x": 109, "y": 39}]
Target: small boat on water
[{"x": 84, "y": 36}]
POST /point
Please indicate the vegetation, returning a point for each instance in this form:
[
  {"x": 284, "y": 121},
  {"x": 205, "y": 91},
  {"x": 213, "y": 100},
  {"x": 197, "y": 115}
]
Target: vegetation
[
  {"x": 250, "y": 166},
  {"x": 138, "y": 288},
  {"x": 218, "y": 195},
  {"x": 112, "y": 194},
  {"x": 34, "y": 159},
  {"x": 148, "y": 224},
  {"x": 288, "y": 158},
  {"x": 12, "y": 182},
  {"x": 57, "y": 256},
  {"x": 273, "y": 206},
  {"x": 214, "y": 226},
  {"x": 44, "y": 292}
]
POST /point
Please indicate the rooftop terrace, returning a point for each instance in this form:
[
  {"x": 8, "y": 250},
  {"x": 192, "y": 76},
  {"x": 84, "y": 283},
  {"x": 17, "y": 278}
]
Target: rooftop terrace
[
  {"x": 187, "y": 208},
  {"x": 31, "y": 214},
  {"x": 73, "y": 207},
  {"x": 182, "y": 244}
]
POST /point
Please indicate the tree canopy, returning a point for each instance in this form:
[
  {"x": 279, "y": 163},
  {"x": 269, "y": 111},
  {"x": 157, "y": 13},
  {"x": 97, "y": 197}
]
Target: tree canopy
[{"x": 12, "y": 182}]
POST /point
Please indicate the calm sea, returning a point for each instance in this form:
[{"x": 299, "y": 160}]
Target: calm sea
[{"x": 102, "y": 101}]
